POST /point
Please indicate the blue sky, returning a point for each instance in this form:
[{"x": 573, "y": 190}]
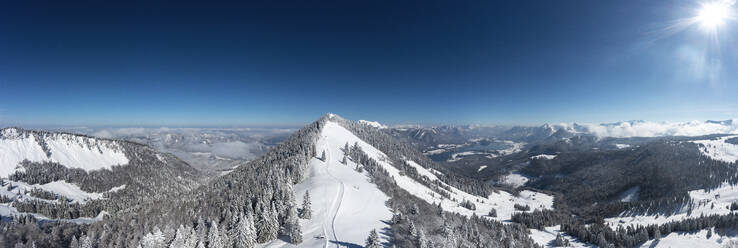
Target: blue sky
[{"x": 281, "y": 62}]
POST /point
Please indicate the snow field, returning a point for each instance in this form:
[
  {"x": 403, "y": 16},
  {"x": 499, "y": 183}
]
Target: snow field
[
  {"x": 719, "y": 149},
  {"x": 547, "y": 237}
]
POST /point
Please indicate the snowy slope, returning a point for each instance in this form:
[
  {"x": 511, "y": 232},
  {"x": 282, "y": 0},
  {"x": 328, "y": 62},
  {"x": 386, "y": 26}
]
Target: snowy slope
[
  {"x": 547, "y": 237},
  {"x": 373, "y": 124},
  {"x": 60, "y": 188},
  {"x": 721, "y": 197},
  {"x": 72, "y": 151},
  {"x": 345, "y": 205},
  {"x": 719, "y": 149},
  {"x": 686, "y": 240},
  {"x": 543, "y": 156},
  {"x": 502, "y": 201}
]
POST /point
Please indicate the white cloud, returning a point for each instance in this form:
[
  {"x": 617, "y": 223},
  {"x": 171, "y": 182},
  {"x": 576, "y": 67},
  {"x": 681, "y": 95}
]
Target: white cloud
[{"x": 656, "y": 129}]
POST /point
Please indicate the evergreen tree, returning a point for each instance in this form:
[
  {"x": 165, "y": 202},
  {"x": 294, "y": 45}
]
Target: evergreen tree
[
  {"x": 155, "y": 239},
  {"x": 215, "y": 240},
  {"x": 293, "y": 226},
  {"x": 322, "y": 156},
  {"x": 85, "y": 242},
  {"x": 421, "y": 240},
  {"x": 74, "y": 243},
  {"x": 412, "y": 230},
  {"x": 306, "y": 212},
  {"x": 245, "y": 234},
  {"x": 492, "y": 213},
  {"x": 656, "y": 233},
  {"x": 373, "y": 240},
  {"x": 179, "y": 237}
]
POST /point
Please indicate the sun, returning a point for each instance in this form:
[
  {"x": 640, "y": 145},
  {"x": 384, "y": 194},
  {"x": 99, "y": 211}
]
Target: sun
[{"x": 713, "y": 14}]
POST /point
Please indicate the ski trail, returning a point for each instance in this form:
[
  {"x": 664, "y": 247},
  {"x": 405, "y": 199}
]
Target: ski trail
[{"x": 336, "y": 205}]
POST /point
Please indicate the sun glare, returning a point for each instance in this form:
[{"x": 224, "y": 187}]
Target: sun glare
[{"x": 714, "y": 14}]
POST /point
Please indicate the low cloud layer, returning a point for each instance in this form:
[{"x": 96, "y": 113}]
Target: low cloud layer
[{"x": 657, "y": 129}]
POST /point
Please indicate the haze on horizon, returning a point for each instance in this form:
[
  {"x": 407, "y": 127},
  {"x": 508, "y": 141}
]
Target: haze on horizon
[{"x": 264, "y": 63}]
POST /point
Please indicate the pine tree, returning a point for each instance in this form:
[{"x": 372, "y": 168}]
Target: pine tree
[
  {"x": 245, "y": 234},
  {"x": 412, "y": 230},
  {"x": 85, "y": 242},
  {"x": 293, "y": 226},
  {"x": 268, "y": 225},
  {"x": 214, "y": 238},
  {"x": 559, "y": 242},
  {"x": 155, "y": 239},
  {"x": 74, "y": 243},
  {"x": 306, "y": 212},
  {"x": 201, "y": 230},
  {"x": 709, "y": 233},
  {"x": 322, "y": 156},
  {"x": 179, "y": 237},
  {"x": 421, "y": 240},
  {"x": 656, "y": 233},
  {"x": 373, "y": 240}
]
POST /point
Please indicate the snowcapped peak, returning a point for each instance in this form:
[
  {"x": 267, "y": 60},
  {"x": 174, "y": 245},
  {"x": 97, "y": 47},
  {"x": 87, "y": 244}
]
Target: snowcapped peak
[
  {"x": 372, "y": 123},
  {"x": 330, "y": 116},
  {"x": 10, "y": 132}
]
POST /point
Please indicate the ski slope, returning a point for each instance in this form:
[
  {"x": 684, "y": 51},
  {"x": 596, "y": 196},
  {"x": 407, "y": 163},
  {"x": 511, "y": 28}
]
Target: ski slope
[
  {"x": 345, "y": 205},
  {"x": 72, "y": 151}
]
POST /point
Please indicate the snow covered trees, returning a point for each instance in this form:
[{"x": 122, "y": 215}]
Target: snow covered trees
[
  {"x": 215, "y": 240},
  {"x": 155, "y": 239},
  {"x": 306, "y": 212},
  {"x": 245, "y": 234},
  {"x": 322, "y": 156},
  {"x": 492, "y": 213},
  {"x": 292, "y": 227},
  {"x": 561, "y": 241},
  {"x": 373, "y": 240}
]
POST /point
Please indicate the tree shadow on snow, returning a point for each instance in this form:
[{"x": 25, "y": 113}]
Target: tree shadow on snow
[
  {"x": 387, "y": 232},
  {"x": 346, "y": 244}
]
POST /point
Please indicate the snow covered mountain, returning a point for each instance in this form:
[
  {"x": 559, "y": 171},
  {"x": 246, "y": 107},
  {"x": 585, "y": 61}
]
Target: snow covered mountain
[
  {"x": 72, "y": 151},
  {"x": 43, "y": 172},
  {"x": 347, "y": 205}
]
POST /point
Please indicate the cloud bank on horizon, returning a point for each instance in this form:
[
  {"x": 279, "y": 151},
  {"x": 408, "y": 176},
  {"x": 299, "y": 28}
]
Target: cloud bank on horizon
[{"x": 656, "y": 129}]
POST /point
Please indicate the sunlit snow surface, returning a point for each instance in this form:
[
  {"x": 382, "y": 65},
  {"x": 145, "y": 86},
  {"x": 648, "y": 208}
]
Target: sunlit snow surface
[
  {"x": 719, "y": 149},
  {"x": 69, "y": 150},
  {"x": 515, "y": 180},
  {"x": 543, "y": 156},
  {"x": 696, "y": 239},
  {"x": 547, "y": 237}
]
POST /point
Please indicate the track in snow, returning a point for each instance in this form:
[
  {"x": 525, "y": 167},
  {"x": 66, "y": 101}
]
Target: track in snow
[{"x": 337, "y": 200}]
